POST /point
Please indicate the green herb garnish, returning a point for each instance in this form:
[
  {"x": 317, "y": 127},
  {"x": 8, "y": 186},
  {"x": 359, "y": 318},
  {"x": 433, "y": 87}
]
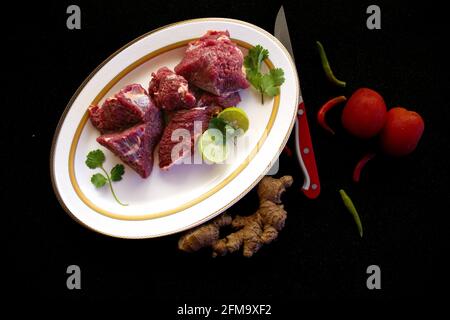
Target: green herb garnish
[
  {"x": 117, "y": 172},
  {"x": 219, "y": 124},
  {"x": 267, "y": 84},
  {"x": 98, "y": 180},
  {"x": 94, "y": 160}
]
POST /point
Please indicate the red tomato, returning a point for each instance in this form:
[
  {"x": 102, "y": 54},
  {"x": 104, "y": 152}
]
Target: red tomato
[
  {"x": 364, "y": 114},
  {"x": 401, "y": 132}
]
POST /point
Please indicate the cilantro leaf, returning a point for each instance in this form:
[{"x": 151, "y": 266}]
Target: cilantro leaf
[
  {"x": 254, "y": 77},
  {"x": 271, "y": 91},
  {"x": 98, "y": 180},
  {"x": 271, "y": 82},
  {"x": 117, "y": 172},
  {"x": 226, "y": 130},
  {"x": 255, "y": 57},
  {"x": 95, "y": 159},
  {"x": 277, "y": 76},
  {"x": 217, "y": 123},
  {"x": 267, "y": 84}
]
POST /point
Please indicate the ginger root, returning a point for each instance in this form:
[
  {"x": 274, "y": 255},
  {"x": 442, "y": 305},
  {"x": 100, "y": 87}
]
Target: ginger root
[
  {"x": 205, "y": 235},
  {"x": 253, "y": 231}
]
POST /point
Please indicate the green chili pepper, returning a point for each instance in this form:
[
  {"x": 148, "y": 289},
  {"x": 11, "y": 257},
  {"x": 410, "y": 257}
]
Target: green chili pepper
[
  {"x": 351, "y": 208},
  {"x": 326, "y": 66}
]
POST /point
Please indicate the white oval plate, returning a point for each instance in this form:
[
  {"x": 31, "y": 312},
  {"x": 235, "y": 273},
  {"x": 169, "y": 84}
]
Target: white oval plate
[{"x": 187, "y": 195}]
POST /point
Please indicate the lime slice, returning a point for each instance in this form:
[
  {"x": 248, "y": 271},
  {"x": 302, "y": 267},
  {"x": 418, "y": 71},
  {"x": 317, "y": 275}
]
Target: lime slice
[
  {"x": 235, "y": 117},
  {"x": 211, "y": 146}
]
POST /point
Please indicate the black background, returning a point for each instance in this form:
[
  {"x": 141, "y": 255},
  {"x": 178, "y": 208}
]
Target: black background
[{"x": 319, "y": 253}]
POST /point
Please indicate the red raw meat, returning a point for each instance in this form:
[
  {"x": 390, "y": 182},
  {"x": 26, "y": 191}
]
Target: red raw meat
[
  {"x": 225, "y": 101},
  {"x": 214, "y": 64},
  {"x": 170, "y": 91},
  {"x": 135, "y": 145},
  {"x": 183, "y": 119},
  {"x": 128, "y": 107},
  {"x": 206, "y": 99}
]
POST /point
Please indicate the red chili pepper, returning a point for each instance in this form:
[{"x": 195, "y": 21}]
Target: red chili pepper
[
  {"x": 287, "y": 151},
  {"x": 327, "y": 106},
  {"x": 360, "y": 165}
]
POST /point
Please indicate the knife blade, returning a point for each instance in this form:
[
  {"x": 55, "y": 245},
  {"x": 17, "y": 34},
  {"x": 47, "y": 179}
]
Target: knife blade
[{"x": 303, "y": 143}]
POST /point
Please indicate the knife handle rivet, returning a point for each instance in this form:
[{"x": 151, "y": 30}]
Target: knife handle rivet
[
  {"x": 300, "y": 112},
  {"x": 306, "y": 150},
  {"x": 314, "y": 186}
]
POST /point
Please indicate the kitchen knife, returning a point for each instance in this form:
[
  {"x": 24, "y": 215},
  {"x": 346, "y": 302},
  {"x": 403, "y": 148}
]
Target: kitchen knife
[{"x": 303, "y": 143}]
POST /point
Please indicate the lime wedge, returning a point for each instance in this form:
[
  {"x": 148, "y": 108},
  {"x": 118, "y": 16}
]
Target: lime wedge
[
  {"x": 235, "y": 117},
  {"x": 212, "y": 147}
]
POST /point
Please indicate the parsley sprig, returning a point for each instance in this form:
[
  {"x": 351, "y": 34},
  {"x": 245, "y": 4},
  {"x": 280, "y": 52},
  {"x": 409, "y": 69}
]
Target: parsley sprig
[
  {"x": 268, "y": 83},
  {"x": 94, "y": 160}
]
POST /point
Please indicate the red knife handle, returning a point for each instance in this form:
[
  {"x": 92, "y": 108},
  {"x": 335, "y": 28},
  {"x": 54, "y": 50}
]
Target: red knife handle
[{"x": 305, "y": 148}]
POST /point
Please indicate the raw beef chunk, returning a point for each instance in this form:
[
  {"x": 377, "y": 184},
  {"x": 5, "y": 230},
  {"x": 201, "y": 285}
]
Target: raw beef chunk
[
  {"x": 129, "y": 106},
  {"x": 214, "y": 64},
  {"x": 183, "y": 119},
  {"x": 206, "y": 99},
  {"x": 135, "y": 145},
  {"x": 112, "y": 115},
  {"x": 135, "y": 98},
  {"x": 225, "y": 101},
  {"x": 170, "y": 91}
]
